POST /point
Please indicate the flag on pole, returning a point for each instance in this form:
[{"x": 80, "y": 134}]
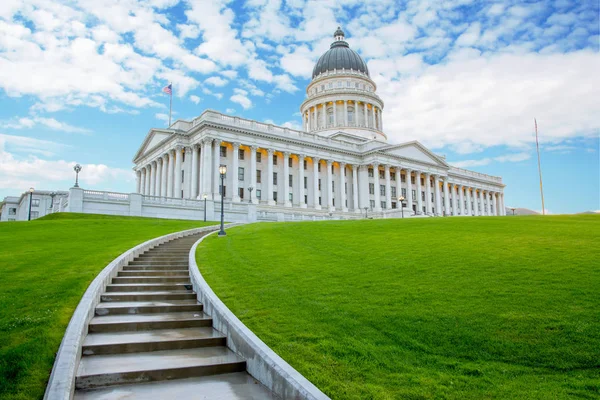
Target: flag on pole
[
  {"x": 167, "y": 89},
  {"x": 537, "y": 145}
]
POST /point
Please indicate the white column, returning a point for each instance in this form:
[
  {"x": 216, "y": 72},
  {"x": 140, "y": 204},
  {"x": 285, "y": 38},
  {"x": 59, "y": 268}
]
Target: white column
[
  {"x": 398, "y": 185},
  {"x": 309, "y": 124},
  {"x": 194, "y": 184},
  {"x": 143, "y": 181},
  {"x": 461, "y": 199},
  {"x": 163, "y": 178},
  {"x": 207, "y": 168},
  {"x": 315, "y": 119},
  {"x": 324, "y": 114},
  {"x": 446, "y": 198},
  {"x": 468, "y": 198},
  {"x": 488, "y": 203},
  {"x": 475, "y": 202},
  {"x": 388, "y": 188},
  {"x": 428, "y": 193},
  {"x": 286, "y": 180},
  {"x": 138, "y": 183},
  {"x": 335, "y": 113},
  {"x": 187, "y": 167},
  {"x": 343, "y": 193},
  {"x": 366, "y": 112},
  {"x": 234, "y": 173},
  {"x": 301, "y": 181},
  {"x": 376, "y": 184},
  {"x": 216, "y": 176},
  {"x": 152, "y": 178},
  {"x": 159, "y": 173},
  {"x": 495, "y": 204},
  {"x": 329, "y": 190},
  {"x": 270, "y": 200},
  {"x": 419, "y": 195},
  {"x": 438, "y": 196},
  {"x": 373, "y": 116},
  {"x": 316, "y": 182},
  {"x": 170, "y": 173},
  {"x": 381, "y": 120},
  {"x": 345, "y": 112},
  {"x": 409, "y": 198},
  {"x": 502, "y": 206},
  {"x": 355, "y": 205},
  {"x": 253, "y": 150},
  {"x": 177, "y": 173},
  {"x": 363, "y": 186}
]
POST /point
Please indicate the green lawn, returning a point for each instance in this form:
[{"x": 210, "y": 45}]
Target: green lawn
[
  {"x": 439, "y": 308},
  {"x": 45, "y": 267}
]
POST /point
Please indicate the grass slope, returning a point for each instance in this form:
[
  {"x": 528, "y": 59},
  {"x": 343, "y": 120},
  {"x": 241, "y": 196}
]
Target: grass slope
[
  {"x": 45, "y": 267},
  {"x": 444, "y": 308}
]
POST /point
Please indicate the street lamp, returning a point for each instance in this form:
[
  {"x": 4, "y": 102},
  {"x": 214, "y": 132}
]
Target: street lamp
[
  {"x": 77, "y": 169},
  {"x": 204, "y": 196},
  {"x": 250, "y": 189},
  {"x": 366, "y": 209},
  {"x": 222, "y": 171},
  {"x": 513, "y": 210},
  {"x": 401, "y": 200},
  {"x": 30, "y": 201}
]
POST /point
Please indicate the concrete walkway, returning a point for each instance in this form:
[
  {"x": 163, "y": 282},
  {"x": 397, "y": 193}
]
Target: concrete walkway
[{"x": 151, "y": 340}]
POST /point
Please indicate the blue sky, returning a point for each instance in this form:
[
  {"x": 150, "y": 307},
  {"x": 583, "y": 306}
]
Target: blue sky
[{"x": 80, "y": 81}]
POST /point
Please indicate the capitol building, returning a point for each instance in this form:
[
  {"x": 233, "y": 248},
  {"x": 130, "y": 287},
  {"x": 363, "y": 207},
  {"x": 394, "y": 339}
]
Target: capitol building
[{"x": 340, "y": 164}]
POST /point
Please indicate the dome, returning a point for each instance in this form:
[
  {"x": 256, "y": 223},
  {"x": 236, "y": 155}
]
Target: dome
[{"x": 340, "y": 56}]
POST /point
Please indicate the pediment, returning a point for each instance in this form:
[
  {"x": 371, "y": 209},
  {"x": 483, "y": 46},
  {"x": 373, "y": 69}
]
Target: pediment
[
  {"x": 348, "y": 138},
  {"x": 153, "y": 139},
  {"x": 415, "y": 151}
]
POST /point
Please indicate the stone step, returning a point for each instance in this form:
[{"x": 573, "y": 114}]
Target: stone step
[
  {"x": 151, "y": 279},
  {"x": 156, "y": 340},
  {"x": 146, "y": 307},
  {"x": 232, "y": 386},
  {"x": 148, "y": 296},
  {"x": 154, "y": 272},
  {"x": 144, "y": 322},
  {"x": 162, "y": 258},
  {"x": 152, "y": 267},
  {"x": 149, "y": 287},
  {"x": 159, "y": 262},
  {"x": 115, "y": 369}
]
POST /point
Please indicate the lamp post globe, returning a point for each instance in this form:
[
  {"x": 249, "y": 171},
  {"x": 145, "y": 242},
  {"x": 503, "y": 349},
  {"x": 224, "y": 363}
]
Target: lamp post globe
[
  {"x": 77, "y": 168},
  {"x": 31, "y": 190},
  {"x": 401, "y": 200},
  {"x": 222, "y": 171},
  {"x": 204, "y": 196}
]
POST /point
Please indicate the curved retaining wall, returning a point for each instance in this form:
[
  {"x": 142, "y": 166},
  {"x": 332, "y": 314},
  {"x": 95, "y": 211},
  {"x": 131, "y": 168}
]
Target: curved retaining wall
[
  {"x": 262, "y": 362},
  {"x": 61, "y": 385}
]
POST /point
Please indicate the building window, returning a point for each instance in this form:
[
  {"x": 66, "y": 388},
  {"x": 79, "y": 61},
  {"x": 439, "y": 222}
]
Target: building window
[
  {"x": 290, "y": 180},
  {"x": 423, "y": 196},
  {"x": 240, "y": 173},
  {"x": 332, "y": 169},
  {"x": 372, "y": 203},
  {"x": 305, "y": 199},
  {"x": 274, "y": 178},
  {"x": 241, "y": 193},
  {"x": 333, "y": 202},
  {"x": 333, "y": 186},
  {"x": 241, "y": 154},
  {"x": 319, "y": 167},
  {"x": 351, "y": 115},
  {"x": 319, "y": 200},
  {"x": 319, "y": 184},
  {"x": 403, "y": 178},
  {"x": 182, "y": 176},
  {"x": 12, "y": 211},
  {"x": 371, "y": 188},
  {"x": 346, "y": 187},
  {"x": 393, "y": 177},
  {"x": 330, "y": 116},
  {"x": 274, "y": 159},
  {"x": 223, "y": 151},
  {"x": 348, "y": 84},
  {"x": 382, "y": 190},
  {"x": 35, "y": 214},
  {"x": 305, "y": 182},
  {"x": 35, "y": 202},
  {"x": 394, "y": 192},
  {"x": 383, "y": 205},
  {"x": 290, "y": 162},
  {"x": 258, "y": 156},
  {"x": 370, "y": 172},
  {"x": 305, "y": 164},
  {"x": 403, "y": 192},
  {"x": 275, "y": 197},
  {"x": 258, "y": 193},
  {"x": 422, "y": 181},
  {"x": 291, "y": 198},
  {"x": 381, "y": 174},
  {"x": 258, "y": 176},
  {"x": 414, "y": 195}
]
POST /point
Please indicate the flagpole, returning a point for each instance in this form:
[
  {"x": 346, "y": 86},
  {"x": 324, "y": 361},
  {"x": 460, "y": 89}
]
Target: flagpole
[
  {"x": 537, "y": 145},
  {"x": 170, "y": 102}
]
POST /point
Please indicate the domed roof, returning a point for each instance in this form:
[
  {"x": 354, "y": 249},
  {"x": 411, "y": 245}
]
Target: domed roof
[{"x": 340, "y": 56}]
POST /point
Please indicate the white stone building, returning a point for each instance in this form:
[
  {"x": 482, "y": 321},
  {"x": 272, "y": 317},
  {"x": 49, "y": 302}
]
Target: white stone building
[
  {"x": 339, "y": 164},
  {"x": 43, "y": 202}
]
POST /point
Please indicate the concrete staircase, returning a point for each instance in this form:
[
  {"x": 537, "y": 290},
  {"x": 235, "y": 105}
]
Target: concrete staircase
[{"x": 151, "y": 340}]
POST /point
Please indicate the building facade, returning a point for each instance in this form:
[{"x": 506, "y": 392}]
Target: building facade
[
  {"x": 340, "y": 163},
  {"x": 43, "y": 202}
]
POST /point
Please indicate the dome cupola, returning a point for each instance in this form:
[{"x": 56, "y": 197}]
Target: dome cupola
[{"x": 340, "y": 57}]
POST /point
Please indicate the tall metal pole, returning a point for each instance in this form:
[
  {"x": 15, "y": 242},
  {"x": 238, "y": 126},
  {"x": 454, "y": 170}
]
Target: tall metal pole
[
  {"x": 537, "y": 144},
  {"x": 222, "y": 231},
  {"x": 204, "y": 208},
  {"x": 30, "y": 201},
  {"x": 170, "y": 102}
]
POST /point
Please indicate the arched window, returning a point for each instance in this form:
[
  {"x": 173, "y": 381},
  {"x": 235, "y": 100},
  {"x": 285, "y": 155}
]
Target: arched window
[
  {"x": 351, "y": 115},
  {"x": 330, "y": 85},
  {"x": 339, "y": 84}
]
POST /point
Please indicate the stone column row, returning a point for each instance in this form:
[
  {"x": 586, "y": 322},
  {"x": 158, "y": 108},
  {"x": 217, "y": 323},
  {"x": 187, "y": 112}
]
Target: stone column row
[
  {"x": 479, "y": 202},
  {"x": 312, "y": 121}
]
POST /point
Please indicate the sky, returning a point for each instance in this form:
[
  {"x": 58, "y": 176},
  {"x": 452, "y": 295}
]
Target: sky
[{"x": 80, "y": 82}]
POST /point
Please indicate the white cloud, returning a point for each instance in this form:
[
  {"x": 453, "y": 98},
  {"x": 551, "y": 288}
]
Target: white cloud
[
  {"x": 241, "y": 98},
  {"x": 30, "y": 122},
  {"x": 216, "y": 81},
  {"x": 516, "y": 157},
  {"x": 195, "y": 99},
  {"x": 230, "y": 111}
]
